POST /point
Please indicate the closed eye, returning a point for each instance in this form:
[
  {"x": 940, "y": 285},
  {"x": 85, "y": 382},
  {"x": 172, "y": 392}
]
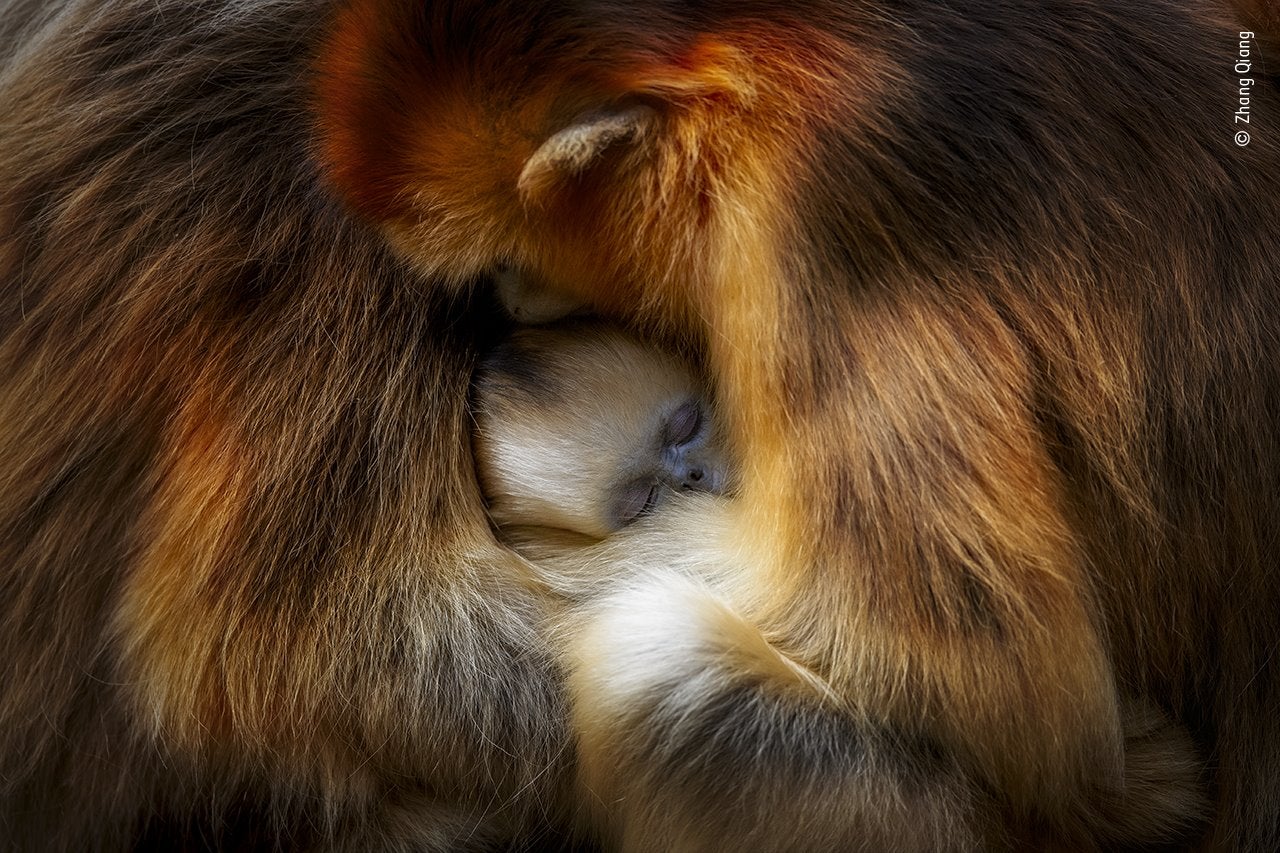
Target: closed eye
[
  {"x": 684, "y": 424},
  {"x": 636, "y": 500}
]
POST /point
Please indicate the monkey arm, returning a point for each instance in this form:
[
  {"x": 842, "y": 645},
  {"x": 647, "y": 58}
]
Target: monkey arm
[
  {"x": 939, "y": 524},
  {"x": 697, "y": 733},
  {"x": 698, "y": 730}
]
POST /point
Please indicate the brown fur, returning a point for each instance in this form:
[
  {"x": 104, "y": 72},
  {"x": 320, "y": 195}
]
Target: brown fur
[
  {"x": 249, "y": 593},
  {"x": 1262, "y": 18},
  {"x": 992, "y": 317},
  {"x": 988, "y": 297}
]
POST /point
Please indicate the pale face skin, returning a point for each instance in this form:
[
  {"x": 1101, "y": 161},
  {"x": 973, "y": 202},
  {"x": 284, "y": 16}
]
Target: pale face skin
[{"x": 583, "y": 428}]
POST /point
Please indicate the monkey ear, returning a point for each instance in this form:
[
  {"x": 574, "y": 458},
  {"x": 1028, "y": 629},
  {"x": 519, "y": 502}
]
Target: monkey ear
[
  {"x": 710, "y": 75},
  {"x": 571, "y": 150}
]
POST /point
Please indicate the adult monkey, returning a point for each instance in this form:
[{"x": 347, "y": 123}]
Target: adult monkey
[
  {"x": 249, "y": 594},
  {"x": 1016, "y": 387},
  {"x": 996, "y": 338}
]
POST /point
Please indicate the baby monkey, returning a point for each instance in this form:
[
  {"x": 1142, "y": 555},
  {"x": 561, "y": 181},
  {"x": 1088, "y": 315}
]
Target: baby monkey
[{"x": 582, "y": 428}]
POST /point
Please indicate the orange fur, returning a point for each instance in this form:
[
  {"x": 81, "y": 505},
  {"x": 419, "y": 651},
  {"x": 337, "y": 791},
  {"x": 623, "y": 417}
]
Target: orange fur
[
  {"x": 939, "y": 291},
  {"x": 990, "y": 317}
]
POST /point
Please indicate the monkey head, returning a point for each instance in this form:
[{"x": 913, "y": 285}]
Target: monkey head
[{"x": 583, "y": 428}]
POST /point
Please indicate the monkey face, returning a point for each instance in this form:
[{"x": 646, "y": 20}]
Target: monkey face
[
  {"x": 684, "y": 456},
  {"x": 585, "y": 429}
]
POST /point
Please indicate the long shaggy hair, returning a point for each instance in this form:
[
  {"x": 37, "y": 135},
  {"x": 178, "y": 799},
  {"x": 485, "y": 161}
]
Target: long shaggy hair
[
  {"x": 248, "y": 589},
  {"x": 987, "y": 291},
  {"x": 991, "y": 315}
]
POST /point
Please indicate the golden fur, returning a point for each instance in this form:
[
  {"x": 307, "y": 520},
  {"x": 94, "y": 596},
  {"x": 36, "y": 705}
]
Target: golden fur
[
  {"x": 988, "y": 296},
  {"x": 994, "y": 336}
]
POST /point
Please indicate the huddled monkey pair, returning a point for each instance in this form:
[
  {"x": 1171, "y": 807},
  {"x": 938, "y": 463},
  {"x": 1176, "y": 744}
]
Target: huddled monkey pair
[
  {"x": 581, "y": 430},
  {"x": 985, "y": 290}
]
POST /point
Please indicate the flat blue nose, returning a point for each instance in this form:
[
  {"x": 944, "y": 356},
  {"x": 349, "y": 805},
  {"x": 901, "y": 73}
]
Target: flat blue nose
[{"x": 694, "y": 479}]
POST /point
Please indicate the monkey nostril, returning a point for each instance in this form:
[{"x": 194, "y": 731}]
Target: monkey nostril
[{"x": 694, "y": 475}]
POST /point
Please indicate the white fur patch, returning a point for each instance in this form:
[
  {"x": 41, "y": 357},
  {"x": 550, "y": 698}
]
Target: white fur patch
[{"x": 661, "y": 631}]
